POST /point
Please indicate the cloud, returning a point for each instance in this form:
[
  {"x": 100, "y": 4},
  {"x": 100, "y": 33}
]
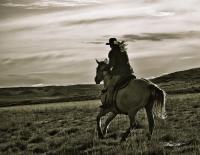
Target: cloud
[
  {"x": 161, "y": 36},
  {"x": 95, "y": 42},
  {"x": 18, "y": 29},
  {"x": 43, "y": 4},
  {"x": 76, "y": 32},
  {"x": 47, "y": 56},
  {"x": 103, "y": 19}
]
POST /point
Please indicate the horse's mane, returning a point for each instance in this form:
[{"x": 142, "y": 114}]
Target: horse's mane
[{"x": 107, "y": 66}]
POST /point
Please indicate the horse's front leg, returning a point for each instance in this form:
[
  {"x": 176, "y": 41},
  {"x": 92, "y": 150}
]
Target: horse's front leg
[
  {"x": 102, "y": 113},
  {"x": 107, "y": 123}
]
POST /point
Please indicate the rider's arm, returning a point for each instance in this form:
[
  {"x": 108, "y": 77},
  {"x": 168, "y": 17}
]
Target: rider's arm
[
  {"x": 111, "y": 59},
  {"x": 126, "y": 57}
]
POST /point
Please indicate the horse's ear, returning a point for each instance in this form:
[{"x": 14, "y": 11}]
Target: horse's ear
[{"x": 97, "y": 61}]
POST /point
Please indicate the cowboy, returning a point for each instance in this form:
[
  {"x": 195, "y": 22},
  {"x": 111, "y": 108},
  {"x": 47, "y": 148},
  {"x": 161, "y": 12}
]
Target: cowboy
[{"x": 119, "y": 65}]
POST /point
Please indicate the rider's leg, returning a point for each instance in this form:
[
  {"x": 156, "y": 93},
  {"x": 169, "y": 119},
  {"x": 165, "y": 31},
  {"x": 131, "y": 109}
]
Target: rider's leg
[{"x": 111, "y": 88}]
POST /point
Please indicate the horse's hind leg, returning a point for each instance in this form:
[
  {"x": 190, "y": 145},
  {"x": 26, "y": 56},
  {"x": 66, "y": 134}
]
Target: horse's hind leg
[
  {"x": 150, "y": 120},
  {"x": 107, "y": 123},
  {"x": 132, "y": 126}
]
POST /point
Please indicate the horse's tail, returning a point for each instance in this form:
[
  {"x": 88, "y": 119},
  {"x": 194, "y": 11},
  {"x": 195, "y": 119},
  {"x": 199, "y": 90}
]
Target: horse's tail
[{"x": 158, "y": 100}]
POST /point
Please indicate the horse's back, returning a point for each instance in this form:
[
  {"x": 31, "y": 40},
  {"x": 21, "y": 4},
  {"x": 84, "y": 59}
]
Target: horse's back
[
  {"x": 137, "y": 86},
  {"x": 138, "y": 83},
  {"x": 134, "y": 96}
]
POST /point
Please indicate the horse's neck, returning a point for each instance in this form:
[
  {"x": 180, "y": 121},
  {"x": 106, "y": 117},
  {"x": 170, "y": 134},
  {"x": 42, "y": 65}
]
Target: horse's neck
[{"x": 107, "y": 78}]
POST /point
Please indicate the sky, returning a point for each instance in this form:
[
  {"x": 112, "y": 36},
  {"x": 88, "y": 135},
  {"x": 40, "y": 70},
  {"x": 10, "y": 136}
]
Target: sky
[{"x": 56, "y": 42}]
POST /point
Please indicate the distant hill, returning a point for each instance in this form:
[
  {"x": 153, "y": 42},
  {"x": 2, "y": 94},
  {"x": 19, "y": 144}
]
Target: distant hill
[
  {"x": 48, "y": 94},
  {"x": 187, "y": 81}
]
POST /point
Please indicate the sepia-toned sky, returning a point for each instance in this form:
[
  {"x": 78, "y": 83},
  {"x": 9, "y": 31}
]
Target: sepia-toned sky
[{"x": 55, "y": 42}]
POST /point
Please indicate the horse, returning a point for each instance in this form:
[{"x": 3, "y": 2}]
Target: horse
[{"x": 138, "y": 94}]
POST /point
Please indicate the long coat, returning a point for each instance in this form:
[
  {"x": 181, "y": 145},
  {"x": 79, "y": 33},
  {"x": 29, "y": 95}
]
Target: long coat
[{"x": 119, "y": 62}]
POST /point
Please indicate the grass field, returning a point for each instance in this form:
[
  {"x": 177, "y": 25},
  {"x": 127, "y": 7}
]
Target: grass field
[{"x": 70, "y": 128}]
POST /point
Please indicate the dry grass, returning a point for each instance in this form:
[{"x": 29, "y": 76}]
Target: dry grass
[{"x": 69, "y": 128}]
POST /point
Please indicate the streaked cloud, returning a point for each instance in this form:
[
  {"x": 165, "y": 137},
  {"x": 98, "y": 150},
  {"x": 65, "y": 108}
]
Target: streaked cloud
[
  {"x": 162, "y": 36},
  {"x": 99, "y": 20},
  {"x": 56, "y": 41},
  {"x": 43, "y": 4}
]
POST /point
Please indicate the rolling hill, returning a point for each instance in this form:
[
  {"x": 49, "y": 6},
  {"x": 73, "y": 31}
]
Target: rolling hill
[{"x": 187, "y": 81}]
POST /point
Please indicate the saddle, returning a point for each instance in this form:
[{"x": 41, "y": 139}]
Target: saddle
[{"x": 122, "y": 83}]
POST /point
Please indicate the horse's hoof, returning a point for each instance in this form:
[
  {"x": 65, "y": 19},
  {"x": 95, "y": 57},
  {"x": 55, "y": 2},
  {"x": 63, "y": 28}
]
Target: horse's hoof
[
  {"x": 122, "y": 140},
  {"x": 104, "y": 132},
  {"x": 148, "y": 136},
  {"x": 101, "y": 136}
]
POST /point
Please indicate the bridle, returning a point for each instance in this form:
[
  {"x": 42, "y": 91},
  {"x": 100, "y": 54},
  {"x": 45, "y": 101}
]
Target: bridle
[{"x": 102, "y": 71}]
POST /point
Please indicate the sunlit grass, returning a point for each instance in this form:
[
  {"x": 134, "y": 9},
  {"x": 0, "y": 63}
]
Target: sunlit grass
[{"x": 70, "y": 128}]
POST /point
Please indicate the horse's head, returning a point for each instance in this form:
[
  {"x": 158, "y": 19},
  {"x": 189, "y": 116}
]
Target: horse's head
[{"x": 101, "y": 68}]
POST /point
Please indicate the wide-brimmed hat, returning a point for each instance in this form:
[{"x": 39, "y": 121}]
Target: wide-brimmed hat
[{"x": 112, "y": 41}]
